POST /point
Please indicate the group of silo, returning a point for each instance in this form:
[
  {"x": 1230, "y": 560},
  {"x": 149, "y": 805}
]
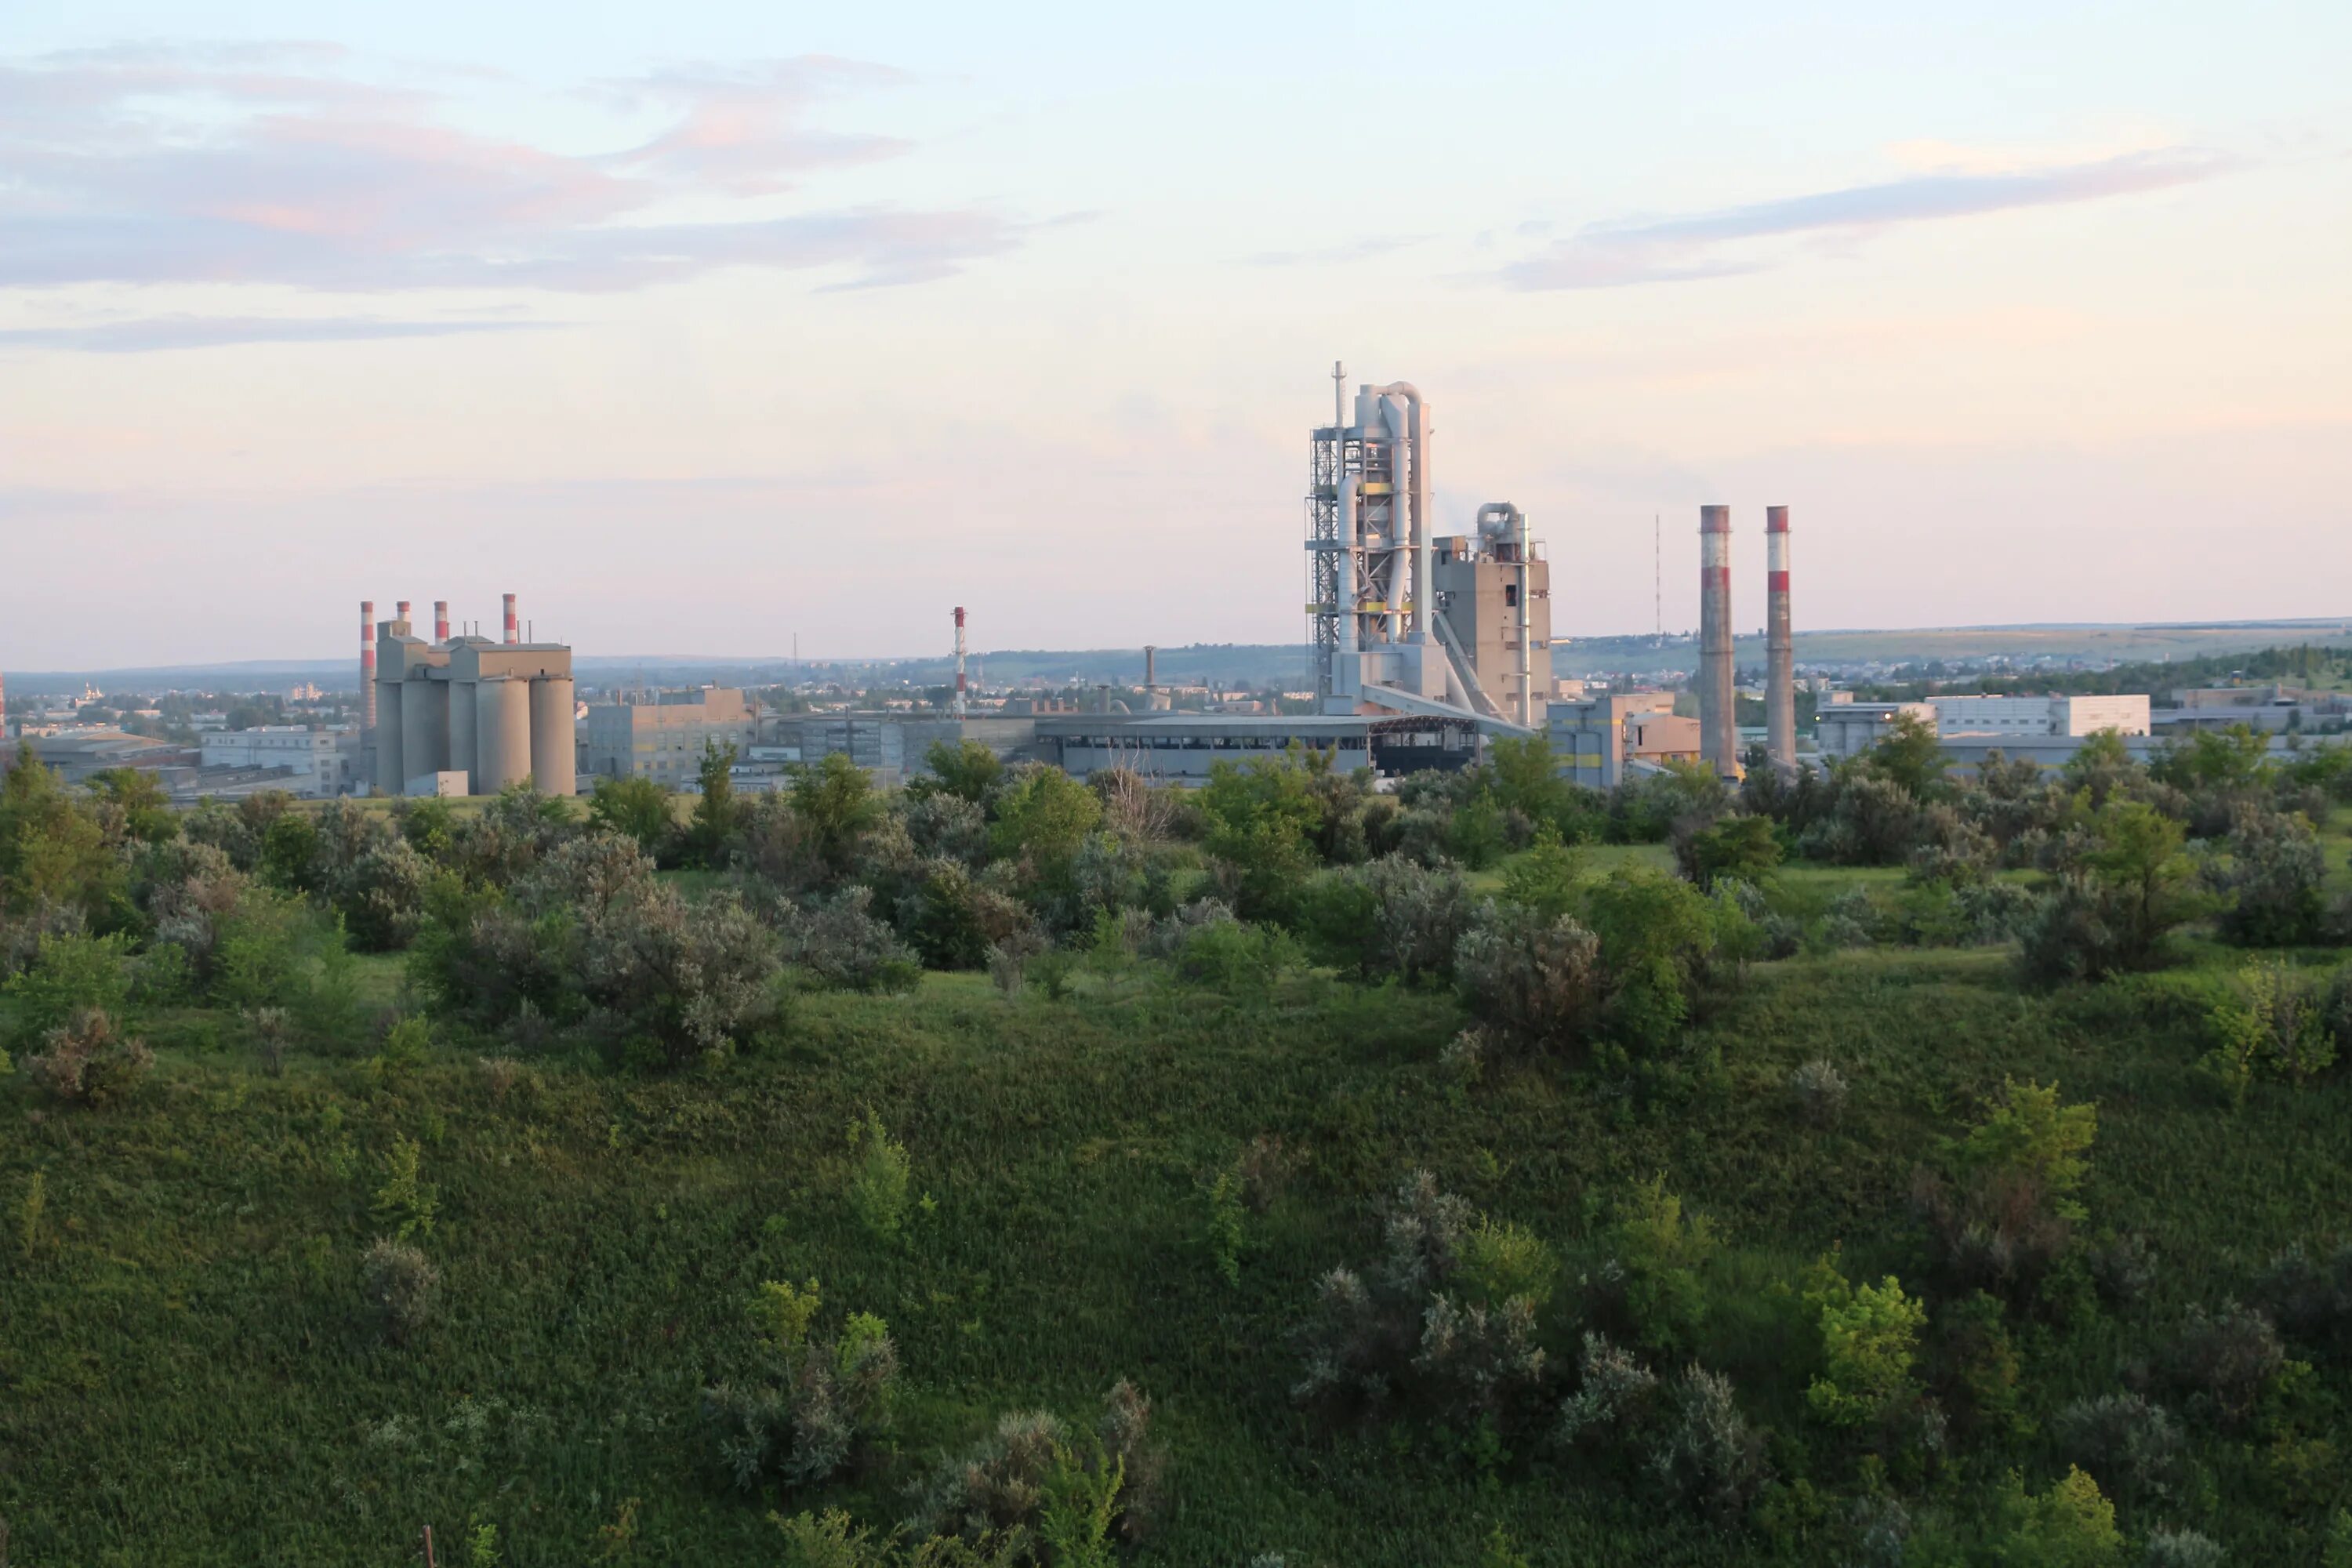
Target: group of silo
[{"x": 498, "y": 712}]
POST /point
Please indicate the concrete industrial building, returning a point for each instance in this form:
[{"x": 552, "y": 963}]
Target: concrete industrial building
[
  {"x": 1382, "y": 634},
  {"x": 317, "y": 765},
  {"x": 1591, "y": 737},
  {"x": 2063, "y": 716},
  {"x": 496, "y": 712},
  {"x": 661, "y": 735},
  {"x": 1183, "y": 748}
]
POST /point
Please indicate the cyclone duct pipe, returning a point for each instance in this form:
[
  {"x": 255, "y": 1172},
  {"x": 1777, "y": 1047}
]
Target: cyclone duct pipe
[
  {"x": 1780, "y": 644},
  {"x": 1719, "y": 737},
  {"x": 1417, "y": 434}
]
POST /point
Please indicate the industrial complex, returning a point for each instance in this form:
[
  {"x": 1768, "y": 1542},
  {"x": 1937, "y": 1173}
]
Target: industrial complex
[{"x": 1423, "y": 647}]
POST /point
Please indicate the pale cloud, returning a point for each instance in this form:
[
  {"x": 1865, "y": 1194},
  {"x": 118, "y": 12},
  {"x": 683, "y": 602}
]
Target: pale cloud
[
  {"x": 150, "y": 334},
  {"x": 281, "y": 165},
  {"x": 1710, "y": 244}
]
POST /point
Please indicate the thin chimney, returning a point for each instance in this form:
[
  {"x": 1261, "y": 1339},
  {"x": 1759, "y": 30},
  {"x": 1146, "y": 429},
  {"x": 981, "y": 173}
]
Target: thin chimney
[
  {"x": 1780, "y": 643},
  {"x": 1719, "y": 735},
  {"x": 441, "y": 620},
  {"x": 961, "y": 707},
  {"x": 514, "y": 627},
  {"x": 367, "y": 664}
]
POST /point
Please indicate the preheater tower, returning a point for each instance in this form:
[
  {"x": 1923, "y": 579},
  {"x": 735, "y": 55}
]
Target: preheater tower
[
  {"x": 1719, "y": 735},
  {"x": 1780, "y": 644}
]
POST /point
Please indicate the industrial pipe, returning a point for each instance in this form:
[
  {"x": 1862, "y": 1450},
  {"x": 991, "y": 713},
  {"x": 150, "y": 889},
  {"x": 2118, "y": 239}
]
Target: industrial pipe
[
  {"x": 1780, "y": 644},
  {"x": 1418, "y": 425},
  {"x": 1351, "y": 682},
  {"x": 1526, "y": 664},
  {"x": 1719, "y": 736}
]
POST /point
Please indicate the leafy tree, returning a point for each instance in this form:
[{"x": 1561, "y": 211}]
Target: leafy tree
[
  {"x": 2000, "y": 1201},
  {"x": 2138, "y": 853},
  {"x": 1741, "y": 846},
  {"x": 1045, "y": 818},
  {"x": 967, "y": 769},
  {"x": 289, "y": 853},
  {"x": 1870, "y": 1339},
  {"x": 1659, "y": 1250},
  {"x": 1653, "y": 931},
  {"x": 1545, "y": 877},
  {"x": 1526, "y": 778},
  {"x": 2273, "y": 873},
  {"x": 137, "y": 794},
  {"x": 835, "y": 801},
  {"x": 2072, "y": 1525},
  {"x": 634, "y": 806},
  {"x": 1262, "y": 816},
  {"x": 1911, "y": 755},
  {"x": 714, "y": 809},
  {"x": 70, "y": 974},
  {"x": 52, "y": 852}
]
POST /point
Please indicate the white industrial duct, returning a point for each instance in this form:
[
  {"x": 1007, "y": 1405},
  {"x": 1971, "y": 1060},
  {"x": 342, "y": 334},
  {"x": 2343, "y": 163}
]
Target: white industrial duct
[{"x": 1417, "y": 423}]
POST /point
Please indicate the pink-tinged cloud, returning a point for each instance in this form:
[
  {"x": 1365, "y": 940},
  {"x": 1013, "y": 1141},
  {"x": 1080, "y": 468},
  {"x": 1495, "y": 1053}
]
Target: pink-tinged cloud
[
  {"x": 1680, "y": 250},
  {"x": 266, "y": 167}
]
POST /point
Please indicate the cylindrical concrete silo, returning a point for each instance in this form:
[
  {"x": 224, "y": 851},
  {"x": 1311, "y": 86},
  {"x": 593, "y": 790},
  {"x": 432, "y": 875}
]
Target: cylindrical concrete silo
[
  {"x": 389, "y": 758},
  {"x": 502, "y": 732},
  {"x": 424, "y": 726},
  {"x": 551, "y": 755},
  {"x": 464, "y": 753}
]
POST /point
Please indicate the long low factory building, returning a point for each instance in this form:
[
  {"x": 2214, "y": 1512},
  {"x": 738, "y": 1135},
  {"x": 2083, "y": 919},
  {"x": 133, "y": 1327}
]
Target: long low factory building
[{"x": 1182, "y": 748}]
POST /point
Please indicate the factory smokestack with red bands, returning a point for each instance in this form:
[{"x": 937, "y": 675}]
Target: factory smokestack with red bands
[
  {"x": 440, "y": 620},
  {"x": 1780, "y": 644},
  {"x": 959, "y": 704},
  {"x": 399, "y": 611},
  {"x": 367, "y": 664},
  {"x": 1719, "y": 737},
  {"x": 514, "y": 627}
]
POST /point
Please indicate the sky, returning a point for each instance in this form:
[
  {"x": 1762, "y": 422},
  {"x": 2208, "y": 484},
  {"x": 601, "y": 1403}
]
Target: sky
[{"x": 721, "y": 327}]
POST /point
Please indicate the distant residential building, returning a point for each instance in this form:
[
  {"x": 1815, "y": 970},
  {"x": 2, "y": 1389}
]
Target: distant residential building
[{"x": 661, "y": 735}]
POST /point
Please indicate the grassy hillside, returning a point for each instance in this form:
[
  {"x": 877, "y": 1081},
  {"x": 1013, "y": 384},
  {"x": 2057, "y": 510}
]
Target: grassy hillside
[{"x": 188, "y": 1374}]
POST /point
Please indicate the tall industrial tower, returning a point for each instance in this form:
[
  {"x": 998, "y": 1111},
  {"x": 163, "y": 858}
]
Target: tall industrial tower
[
  {"x": 1780, "y": 644},
  {"x": 1368, "y": 543}
]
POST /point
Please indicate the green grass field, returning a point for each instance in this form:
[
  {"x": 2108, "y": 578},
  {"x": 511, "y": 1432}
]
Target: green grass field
[{"x": 187, "y": 1374}]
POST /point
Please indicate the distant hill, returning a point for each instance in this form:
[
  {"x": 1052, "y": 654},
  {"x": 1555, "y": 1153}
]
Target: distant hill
[{"x": 1259, "y": 664}]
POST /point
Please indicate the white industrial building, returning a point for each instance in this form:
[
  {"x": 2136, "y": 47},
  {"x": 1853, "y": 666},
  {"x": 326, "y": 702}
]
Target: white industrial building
[
  {"x": 2039, "y": 716},
  {"x": 661, "y": 735},
  {"x": 322, "y": 764}
]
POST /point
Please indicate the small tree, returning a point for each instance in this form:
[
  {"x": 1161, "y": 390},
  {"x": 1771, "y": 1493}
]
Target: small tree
[
  {"x": 1741, "y": 846},
  {"x": 636, "y": 807},
  {"x": 1870, "y": 1340},
  {"x": 401, "y": 1284},
  {"x": 2001, "y": 1200},
  {"x": 2072, "y": 1525},
  {"x": 714, "y": 809},
  {"x": 1545, "y": 878},
  {"x": 879, "y": 1176}
]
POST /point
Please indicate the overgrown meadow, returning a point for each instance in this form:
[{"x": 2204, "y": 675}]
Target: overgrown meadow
[{"x": 1883, "y": 1169}]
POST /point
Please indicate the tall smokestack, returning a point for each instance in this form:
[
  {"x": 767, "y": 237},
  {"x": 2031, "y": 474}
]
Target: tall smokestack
[
  {"x": 400, "y": 606},
  {"x": 1150, "y": 677},
  {"x": 959, "y": 707},
  {"x": 1780, "y": 643},
  {"x": 514, "y": 627},
  {"x": 1719, "y": 737},
  {"x": 367, "y": 664},
  {"x": 441, "y": 620}
]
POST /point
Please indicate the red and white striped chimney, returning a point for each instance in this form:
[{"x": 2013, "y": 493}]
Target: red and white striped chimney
[
  {"x": 1780, "y": 643},
  {"x": 959, "y": 707},
  {"x": 367, "y": 664},
  {"x": 400, "y": 606},
  {"x": 514, "y": 627},
  {"x": 440, "y": 620},
  {"x": 1718, "y": 733}
]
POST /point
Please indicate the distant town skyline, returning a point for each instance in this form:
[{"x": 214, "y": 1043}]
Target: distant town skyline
[{"x": 708, "y": 326}]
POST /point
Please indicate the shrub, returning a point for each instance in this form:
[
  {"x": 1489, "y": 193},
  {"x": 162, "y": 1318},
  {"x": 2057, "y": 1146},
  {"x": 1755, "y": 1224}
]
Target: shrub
[
  {"x": 2072, "y": 1525},
  {"x": 817, "y": 1404},
  {"x": 1652, "y": 1277},
  {"x": 2308, "y": 1298},
  {"x": 878, "y": 1177},
  {"x": 1654, "y": 932},
  {"x": 633, "y": 808},
  {"x": 2271, "y": 872},
  {"x": 832, "y": 1540},
  {"x": 1033, "y": 1474},
  {"x": 1708, "y": 1455},
  {"x": 2181, "y": 1549},
  {"x": 70, "y": 974},
  {"x": 953, "y": 920},
  {"x": 1235, "y": 958},
  {"x": 1615, "y": 1394},
  {"x": 1502, "y": 1262},
  {"x": 2135, "y": 1445},
  {"x": 1820, "y": 1091},
  {"x": 845, "y": 947},
  {"x": 2276, "y": 1021},
  {"x": 1739, "y": 846},
  {"x": 1982, "y": 1375},
  {"x": 402, "y": 1286},
  {"x": 2113, "y": 911},
  {"x": 1545, "y": 878},
  {"x": 406, "y": 1202},
  {"x": 1870, "y": 1339},
  {"x": 1999, "y": 1204},
  {"x": 1224, "y": 1225},
  {"x": 1418, "y": 916},
  {"x": 87, "y": 1060},
  {"x": 1530, "y": 981},
  {"x": 2227, "y": 1358},
  {"x": 1851, "y": 921}
]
